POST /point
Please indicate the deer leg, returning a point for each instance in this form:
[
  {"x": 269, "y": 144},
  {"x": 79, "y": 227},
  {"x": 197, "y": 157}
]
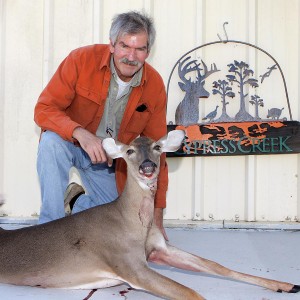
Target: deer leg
[
  {"x": 157, "y": 284},
  {"x": 174, "y": 257}
]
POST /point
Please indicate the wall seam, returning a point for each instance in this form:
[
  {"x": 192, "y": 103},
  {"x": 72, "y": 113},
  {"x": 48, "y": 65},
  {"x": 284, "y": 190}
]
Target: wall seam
[
  {"x": 47, "y": 41},
  {"x": 97, "y": 17},
  {"x": 2, "y": 93},
  {"x": 198, "y": 162}
]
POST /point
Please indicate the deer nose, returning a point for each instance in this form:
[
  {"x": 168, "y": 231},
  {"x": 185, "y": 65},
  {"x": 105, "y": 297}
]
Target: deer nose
[{"x": 147, "y": 167}]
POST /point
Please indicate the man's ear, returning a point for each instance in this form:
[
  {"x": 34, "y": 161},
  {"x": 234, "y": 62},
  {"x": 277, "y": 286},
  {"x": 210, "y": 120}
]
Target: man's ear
[
  {"x": 112, "y": 148},
  {"x": 111, "y": 46},
  {"x": 172, "y": 141}
]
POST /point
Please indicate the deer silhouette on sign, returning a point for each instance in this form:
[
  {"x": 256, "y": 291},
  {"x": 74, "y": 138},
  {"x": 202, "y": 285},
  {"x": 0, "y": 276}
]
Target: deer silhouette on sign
[{"x": 187, "y": 111}]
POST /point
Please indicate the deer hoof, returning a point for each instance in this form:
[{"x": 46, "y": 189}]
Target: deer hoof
[{"x": 295, "y": 289}]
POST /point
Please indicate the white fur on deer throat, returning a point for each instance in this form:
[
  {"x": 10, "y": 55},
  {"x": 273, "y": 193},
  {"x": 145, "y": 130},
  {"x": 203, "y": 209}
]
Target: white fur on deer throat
[{"x": 148, "y": 184}]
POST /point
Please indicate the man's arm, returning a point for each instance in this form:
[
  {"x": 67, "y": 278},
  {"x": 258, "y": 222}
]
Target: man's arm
[{"x": 50, "y": 110}]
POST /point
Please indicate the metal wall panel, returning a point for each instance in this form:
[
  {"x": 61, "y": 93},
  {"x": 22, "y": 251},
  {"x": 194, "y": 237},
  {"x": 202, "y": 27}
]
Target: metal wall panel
[{"x": 36, "y": 35}]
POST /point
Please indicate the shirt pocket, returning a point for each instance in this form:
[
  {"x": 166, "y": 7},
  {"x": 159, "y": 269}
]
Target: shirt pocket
[
  {"x": 138, "y": 121},
  {"x": 87, "y": 93},
  {"x": 84, "y": 107}
]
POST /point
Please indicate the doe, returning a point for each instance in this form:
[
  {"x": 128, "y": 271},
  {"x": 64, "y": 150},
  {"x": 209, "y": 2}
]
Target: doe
[{"x": 111, "y": 244}]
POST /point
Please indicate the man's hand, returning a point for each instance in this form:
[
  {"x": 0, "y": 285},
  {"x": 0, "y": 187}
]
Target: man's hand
[
  {"x": 92, "y": 145},
  {"x": 158, "y": 219}
]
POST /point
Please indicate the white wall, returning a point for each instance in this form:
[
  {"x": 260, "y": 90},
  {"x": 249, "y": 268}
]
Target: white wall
[{"x": 36, "y": 35}]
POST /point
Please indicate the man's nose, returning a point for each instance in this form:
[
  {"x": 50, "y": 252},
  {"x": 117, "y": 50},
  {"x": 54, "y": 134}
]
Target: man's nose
[{"x": 131, "y": 54}]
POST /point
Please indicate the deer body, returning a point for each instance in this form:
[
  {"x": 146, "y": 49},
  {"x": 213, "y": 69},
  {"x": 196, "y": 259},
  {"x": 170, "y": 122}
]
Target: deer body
[
  {"x": 111, "y": 244},
  {"x": 51, "y": 254}
]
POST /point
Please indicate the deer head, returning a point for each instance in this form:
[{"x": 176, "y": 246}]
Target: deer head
[
  {"x": 143, "y": 154},
  {"x": 194, "y": 87}
]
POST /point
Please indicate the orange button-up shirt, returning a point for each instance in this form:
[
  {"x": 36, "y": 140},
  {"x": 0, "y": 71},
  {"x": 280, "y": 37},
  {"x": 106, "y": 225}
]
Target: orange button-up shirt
[{"x": 76, "y": 94}]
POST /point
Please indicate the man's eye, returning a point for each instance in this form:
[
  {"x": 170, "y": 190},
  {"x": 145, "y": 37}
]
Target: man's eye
[
  {"x": 130, "y": 151},
  {"x": 157, "y": 147},
  {"x": 123, "y": 45}
]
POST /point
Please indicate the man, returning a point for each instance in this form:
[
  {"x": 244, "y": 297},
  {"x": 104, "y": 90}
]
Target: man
[{"x": 99, "y": 91}]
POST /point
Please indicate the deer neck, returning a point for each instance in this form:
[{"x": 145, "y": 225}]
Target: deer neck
[{"x": 138, "y": 200}]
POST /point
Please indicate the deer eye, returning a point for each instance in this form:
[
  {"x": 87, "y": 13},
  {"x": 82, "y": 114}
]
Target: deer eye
[
  {"x": 130, "y": 151},
  {"x": 157, "y": 147}
]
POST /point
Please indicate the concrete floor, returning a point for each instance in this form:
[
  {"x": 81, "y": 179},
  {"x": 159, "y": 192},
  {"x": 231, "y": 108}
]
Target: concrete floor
[{"x": 274, "y": 254}]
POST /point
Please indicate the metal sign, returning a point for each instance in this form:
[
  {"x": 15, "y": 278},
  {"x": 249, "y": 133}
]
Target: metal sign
[
  {"x": 239, "y": 138},
  {"x": 266, "y": 129}
]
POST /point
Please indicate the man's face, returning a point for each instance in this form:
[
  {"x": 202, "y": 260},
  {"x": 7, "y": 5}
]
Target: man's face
[{"x": 130, "y": 53}]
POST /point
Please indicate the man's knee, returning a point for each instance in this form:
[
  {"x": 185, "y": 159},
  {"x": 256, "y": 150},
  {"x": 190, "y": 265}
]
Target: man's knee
[
  {"x": 50, "y": 139},
  {"x": 52, "y": 146},
  {"x": 51, "y": 142}
]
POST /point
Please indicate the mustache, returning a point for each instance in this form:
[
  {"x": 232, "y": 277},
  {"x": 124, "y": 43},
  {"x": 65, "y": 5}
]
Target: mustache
[{"x": 129, "y": 62}]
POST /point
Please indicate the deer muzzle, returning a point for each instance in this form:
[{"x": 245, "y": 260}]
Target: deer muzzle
[{"x": 147, "y": 168}]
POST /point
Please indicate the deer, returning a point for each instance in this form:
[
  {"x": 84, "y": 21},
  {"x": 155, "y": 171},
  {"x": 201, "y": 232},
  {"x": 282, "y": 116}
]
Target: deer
[
  {"x": 111, "y": 244},
  {"x": 187, "y": 111}
]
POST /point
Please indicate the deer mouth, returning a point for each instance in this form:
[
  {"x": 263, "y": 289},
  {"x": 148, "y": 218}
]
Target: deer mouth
[{"x": 147, "y": 168}]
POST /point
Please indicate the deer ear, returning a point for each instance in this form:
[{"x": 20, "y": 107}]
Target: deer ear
[
  {"x": 182, "y": 86},
  {"x": 172, "y": 141},
  {"x": 112, "y": 148}
]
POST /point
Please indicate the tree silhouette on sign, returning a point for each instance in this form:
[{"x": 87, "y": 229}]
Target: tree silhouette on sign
[
  {"x": 257, "y": 101},
  {"x": 222, "y": 87},
  {"x": 242, "y": 76}
]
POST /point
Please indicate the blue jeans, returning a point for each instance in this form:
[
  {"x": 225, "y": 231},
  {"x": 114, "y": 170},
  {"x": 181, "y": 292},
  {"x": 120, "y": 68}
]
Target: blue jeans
[{"x": 56, "y": 157}]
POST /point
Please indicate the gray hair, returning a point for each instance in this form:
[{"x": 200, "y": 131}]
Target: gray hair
[{"x": 132, "y": 23}]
